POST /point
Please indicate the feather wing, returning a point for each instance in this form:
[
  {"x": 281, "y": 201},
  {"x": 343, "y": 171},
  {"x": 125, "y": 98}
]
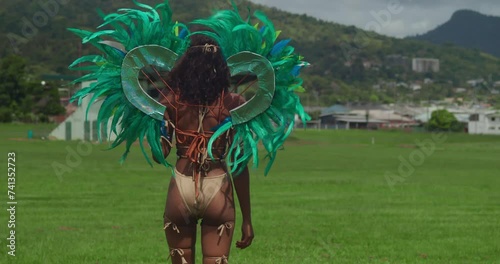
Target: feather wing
[
  {"x": 272, "y": 126},
  {"x": 126, "y": 30}
]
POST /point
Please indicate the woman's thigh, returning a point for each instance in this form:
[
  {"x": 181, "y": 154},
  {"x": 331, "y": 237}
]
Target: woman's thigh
[
  {"x": 180, "y": 228},
  {"x": 218, "y": 224}
]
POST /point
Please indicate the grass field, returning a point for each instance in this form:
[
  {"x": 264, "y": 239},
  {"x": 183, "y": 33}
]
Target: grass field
[{"x": 332, "y": 197}]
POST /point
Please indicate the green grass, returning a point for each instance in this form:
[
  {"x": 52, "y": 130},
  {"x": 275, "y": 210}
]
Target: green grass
[{"x": 326, "y": 200}]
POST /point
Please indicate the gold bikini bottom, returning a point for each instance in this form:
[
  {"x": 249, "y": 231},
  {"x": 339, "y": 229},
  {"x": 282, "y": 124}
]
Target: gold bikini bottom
[{"x": 208, "y": 188}]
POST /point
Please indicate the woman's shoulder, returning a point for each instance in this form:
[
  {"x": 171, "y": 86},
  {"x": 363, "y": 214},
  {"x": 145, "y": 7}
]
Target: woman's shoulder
[
  {"x": 234, "y": 100},
  {"x": 168, "y": 98}
]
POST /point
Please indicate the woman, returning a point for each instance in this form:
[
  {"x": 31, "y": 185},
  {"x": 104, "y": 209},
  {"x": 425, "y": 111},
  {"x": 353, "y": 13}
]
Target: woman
[{"x": 197, "y": 102}]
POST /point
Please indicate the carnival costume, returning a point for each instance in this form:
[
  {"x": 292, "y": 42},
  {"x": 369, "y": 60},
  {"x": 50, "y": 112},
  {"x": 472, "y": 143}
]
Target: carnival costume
[{"x": 139, "y": 38}]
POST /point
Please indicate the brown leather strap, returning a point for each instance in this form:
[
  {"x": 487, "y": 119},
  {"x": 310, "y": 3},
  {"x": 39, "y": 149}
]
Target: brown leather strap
[{"x": 182, "y": 150}]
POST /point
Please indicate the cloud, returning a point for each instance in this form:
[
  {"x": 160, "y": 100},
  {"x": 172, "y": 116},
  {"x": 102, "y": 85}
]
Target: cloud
[
  {"x": 416, "y": 17},
  {"x": 421, "y": 26}
]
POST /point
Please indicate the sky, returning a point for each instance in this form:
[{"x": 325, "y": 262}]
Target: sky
[{"x": 397, "y": 18}]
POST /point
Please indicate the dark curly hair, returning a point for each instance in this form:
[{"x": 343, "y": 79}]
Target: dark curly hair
[{"x": 201, "y": 74}]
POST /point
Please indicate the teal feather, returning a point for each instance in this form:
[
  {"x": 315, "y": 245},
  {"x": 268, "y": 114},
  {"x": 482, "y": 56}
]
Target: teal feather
[{"x": 221, "y": 131}]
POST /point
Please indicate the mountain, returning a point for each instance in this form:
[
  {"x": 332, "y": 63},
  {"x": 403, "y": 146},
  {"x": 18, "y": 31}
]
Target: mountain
[
  {"x": 468, "y": 29},
  {"x": 347, "y": 62}
]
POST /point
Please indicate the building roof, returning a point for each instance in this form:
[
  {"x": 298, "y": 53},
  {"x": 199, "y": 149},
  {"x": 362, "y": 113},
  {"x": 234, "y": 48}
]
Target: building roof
[
  {"x": 358, "y": 119},
  {"x": 462, "y": 118},
  {"x": 335, "y": 109},
  {"x": 407, "y": 110},
  {"x": 364, "y": 107},
  {"x": 494, "y": 114},
  {"x": 387, "y": 115}
]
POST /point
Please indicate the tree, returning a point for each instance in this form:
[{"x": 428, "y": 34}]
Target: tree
[
  {"x": 442, "y": 120},
  {"x": 19, "y": 97},
  {"x": 374, "y": 99},
  {"x": 13, "y": 86},
  {"x": 52, "y": 105}
]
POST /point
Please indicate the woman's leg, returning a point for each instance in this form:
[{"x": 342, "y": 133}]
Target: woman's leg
[
  {"x": 180, "y": 227},
  {"x": 217, "y": 227}
]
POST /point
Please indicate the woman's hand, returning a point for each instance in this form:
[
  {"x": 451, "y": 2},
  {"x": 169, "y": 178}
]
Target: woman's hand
[{"x": 246, "y": 236}]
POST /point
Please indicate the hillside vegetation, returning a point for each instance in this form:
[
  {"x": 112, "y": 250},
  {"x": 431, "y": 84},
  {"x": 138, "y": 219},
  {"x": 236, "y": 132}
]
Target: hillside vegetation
[{"x": 347, "y": 61}]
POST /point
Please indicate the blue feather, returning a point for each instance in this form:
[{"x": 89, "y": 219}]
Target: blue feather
[
  {"x": 262, "y": 29},
  {"x": 296, "y": 70},
  {"x": 163, "y": 128},
  {"x": 279, "y": 47},
  {"x": 225, "y": 121},
  {"x": 183, "y": 34},
  {"x": 123, "y": 54}
]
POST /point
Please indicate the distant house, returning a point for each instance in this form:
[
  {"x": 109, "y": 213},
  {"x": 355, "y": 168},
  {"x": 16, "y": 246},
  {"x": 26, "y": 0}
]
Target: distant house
[
  {"x": 416, "y": 87},
  {"x": 362, "y": 117},
  {"x": 425, "y": 65},
  {"x": 328, "y": 115},
  {"x": 335, "y": 109},
  {"x": 407, "y": 111},
  {"x": 462, "y": 115},
  {"x": 475, "y": 83},
  {"x": 80, "y": 126},
  {"x": 385, "y": 118},
  {"x": 485, "y": 123},
  {"x": 402, "y": 84},
  {"x": 356, "y": 122}
]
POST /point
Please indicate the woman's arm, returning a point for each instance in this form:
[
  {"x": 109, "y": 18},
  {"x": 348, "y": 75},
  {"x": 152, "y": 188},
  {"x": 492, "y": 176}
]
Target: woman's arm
[
  {"x": 167, "y": 132},
  {"x": 242, "y": 187},
  {"x": 241, "y": 183}
]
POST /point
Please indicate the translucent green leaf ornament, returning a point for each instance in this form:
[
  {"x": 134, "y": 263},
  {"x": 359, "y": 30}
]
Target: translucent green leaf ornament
[
  {"x": 252, "y": 63},
  {"x": 134, "y": 62}
]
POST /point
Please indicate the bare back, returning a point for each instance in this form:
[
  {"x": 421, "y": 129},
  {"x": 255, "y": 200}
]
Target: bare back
[{"x": 193, "y": 128}]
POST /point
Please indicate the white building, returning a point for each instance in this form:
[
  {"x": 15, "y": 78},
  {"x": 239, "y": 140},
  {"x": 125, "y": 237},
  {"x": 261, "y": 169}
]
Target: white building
[
  {"x": 485, "y": 123},
  {"x": 416, "y": 87},
  {"x": 475, "y": 83},
  {"x": 425, "y": 65},
  {"x": 76, "y": 127},
  {"x": 461, "y": 114}
]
